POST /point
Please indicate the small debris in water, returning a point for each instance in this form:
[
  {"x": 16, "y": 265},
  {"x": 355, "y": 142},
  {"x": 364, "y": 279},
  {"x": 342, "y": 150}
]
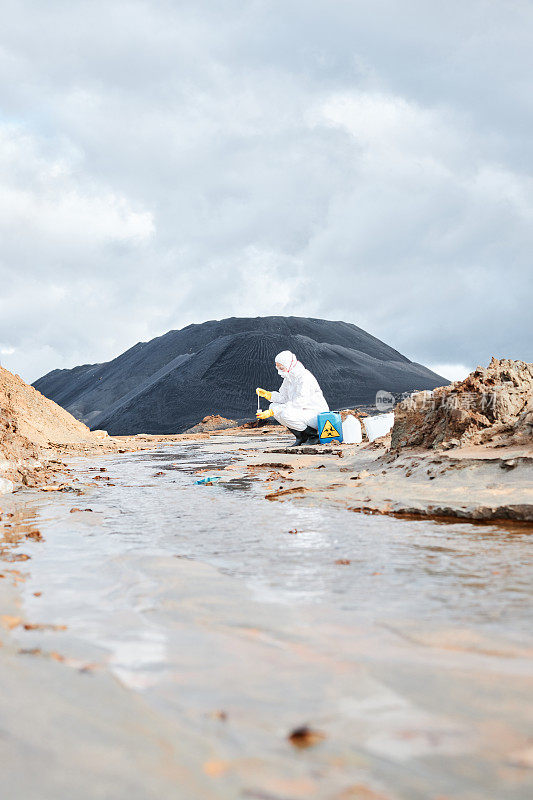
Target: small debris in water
[
  {"x": 271, "y": 465},
  {"x": 220, "y": 715},
  {"x": 277, "y": 476},
  {"x": 305, "y": 737},
  {"x": 158, "y": 474},
  {"x": 363, "y": 474},
  {"x": 88, "y": 668},
  {"x": 15, "y": 557},
  {"x": 283, "y": 492},
  {"x": 293, "y": 531},
  {"x": 36, "y": 651},
  {"x": 36, "y": 626},
  {"x": 343, "y": 561},
  {"x": 56, "y": 656},
  {"x": 35, "y": 535},
  {"x": 509, "y": 464}
]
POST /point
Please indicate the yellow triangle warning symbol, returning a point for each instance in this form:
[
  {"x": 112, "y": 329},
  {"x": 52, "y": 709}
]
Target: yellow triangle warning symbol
[{"x": 328, "y": 430}]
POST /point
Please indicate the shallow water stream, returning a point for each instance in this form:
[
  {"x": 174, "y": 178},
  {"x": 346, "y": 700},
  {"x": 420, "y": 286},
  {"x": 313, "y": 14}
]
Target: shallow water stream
[{"x": 412, "y": 659}]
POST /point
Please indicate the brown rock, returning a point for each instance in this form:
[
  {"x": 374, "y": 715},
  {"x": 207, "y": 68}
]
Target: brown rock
[
  {"x": 213, "y": 422},
  {"x": 305, "y": 737},
  {"x": 489, "y": 403}
]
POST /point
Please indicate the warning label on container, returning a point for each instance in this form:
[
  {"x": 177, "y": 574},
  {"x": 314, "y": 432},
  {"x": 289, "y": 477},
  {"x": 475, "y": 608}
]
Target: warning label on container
[{"x": 328, "y": 430}]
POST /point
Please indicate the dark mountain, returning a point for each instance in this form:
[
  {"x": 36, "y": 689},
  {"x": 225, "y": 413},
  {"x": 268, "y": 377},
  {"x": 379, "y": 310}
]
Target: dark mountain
[{"x": 170, "y": 383}]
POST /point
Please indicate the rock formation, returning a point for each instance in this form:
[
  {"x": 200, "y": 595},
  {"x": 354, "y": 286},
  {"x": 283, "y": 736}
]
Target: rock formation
[{"x": 491, "y": 406}]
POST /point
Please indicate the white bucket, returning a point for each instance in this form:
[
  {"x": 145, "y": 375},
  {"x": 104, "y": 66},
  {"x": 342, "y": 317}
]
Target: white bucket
[
  {"x": 6, "y": 486},
  {"x": 379, "y": 425}
]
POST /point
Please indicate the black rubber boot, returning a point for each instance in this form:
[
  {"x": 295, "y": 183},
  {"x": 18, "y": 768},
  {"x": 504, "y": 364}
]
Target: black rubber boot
[
  {"x": 311, "y": 435},
  {"x": 301, "y": 437}
]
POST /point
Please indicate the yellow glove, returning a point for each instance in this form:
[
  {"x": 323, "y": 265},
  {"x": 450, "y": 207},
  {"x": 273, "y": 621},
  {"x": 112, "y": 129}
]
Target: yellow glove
[
  {"x": 264, "y": 414},
  {"x": 264, "y": 393}
]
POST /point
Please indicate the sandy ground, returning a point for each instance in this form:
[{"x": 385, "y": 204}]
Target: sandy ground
[{"x": 477, "y": 483}]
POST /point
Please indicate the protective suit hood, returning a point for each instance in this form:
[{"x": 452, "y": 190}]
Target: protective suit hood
[{"x": 287, "y": 360}]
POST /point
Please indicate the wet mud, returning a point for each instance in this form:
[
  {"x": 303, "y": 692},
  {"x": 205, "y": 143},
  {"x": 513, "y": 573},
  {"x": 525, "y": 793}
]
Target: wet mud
[{"x": 164, "y": 639}]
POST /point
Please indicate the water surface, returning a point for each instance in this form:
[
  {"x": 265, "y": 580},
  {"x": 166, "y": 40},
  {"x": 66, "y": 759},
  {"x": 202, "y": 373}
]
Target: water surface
[{"x": 393, "y": 641}]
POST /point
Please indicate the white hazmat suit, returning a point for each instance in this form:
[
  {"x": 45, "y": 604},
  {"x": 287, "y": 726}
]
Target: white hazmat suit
[{"x": 299, "y": 398}]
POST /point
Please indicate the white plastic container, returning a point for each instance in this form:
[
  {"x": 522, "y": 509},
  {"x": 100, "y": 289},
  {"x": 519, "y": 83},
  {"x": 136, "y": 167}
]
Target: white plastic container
[
  {"x": 6, "y": 486},
  {"x": 351, "y": 431},
  {"x": 379, "y": 425}
]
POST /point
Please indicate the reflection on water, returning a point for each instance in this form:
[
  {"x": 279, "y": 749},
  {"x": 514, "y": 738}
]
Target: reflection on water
[
  {"x": 442, "y": 573},
  {"x": 404, "y": 640}
]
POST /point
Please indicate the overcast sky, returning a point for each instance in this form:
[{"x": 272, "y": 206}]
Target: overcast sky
[{"x": 168, "y": 162}]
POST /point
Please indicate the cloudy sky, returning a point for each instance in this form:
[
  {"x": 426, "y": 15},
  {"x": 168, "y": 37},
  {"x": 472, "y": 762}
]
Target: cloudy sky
[{"x": 164, "y": 162}]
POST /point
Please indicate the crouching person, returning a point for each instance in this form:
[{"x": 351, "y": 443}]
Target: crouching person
[{"x": 298, "y": 400}]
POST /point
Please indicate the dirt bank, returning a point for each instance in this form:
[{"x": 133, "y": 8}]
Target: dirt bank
[
  {"x": 470, "y": 484},
  {"x": 32, "y": 428}
]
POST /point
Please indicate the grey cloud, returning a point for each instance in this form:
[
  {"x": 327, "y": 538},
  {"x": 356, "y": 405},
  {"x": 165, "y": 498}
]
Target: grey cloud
[{"x": 162, "y": 163}]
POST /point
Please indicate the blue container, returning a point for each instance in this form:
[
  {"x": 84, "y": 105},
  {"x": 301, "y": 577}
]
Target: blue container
[{"x": 329, "y": 427}]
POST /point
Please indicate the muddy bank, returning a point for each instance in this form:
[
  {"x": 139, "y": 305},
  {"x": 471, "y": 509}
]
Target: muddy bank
[{"x": 473, "y": 483}]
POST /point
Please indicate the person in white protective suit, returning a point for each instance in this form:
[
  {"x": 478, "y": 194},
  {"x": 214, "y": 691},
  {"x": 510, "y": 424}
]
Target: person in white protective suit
[{"x": 298, "y": 400}]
